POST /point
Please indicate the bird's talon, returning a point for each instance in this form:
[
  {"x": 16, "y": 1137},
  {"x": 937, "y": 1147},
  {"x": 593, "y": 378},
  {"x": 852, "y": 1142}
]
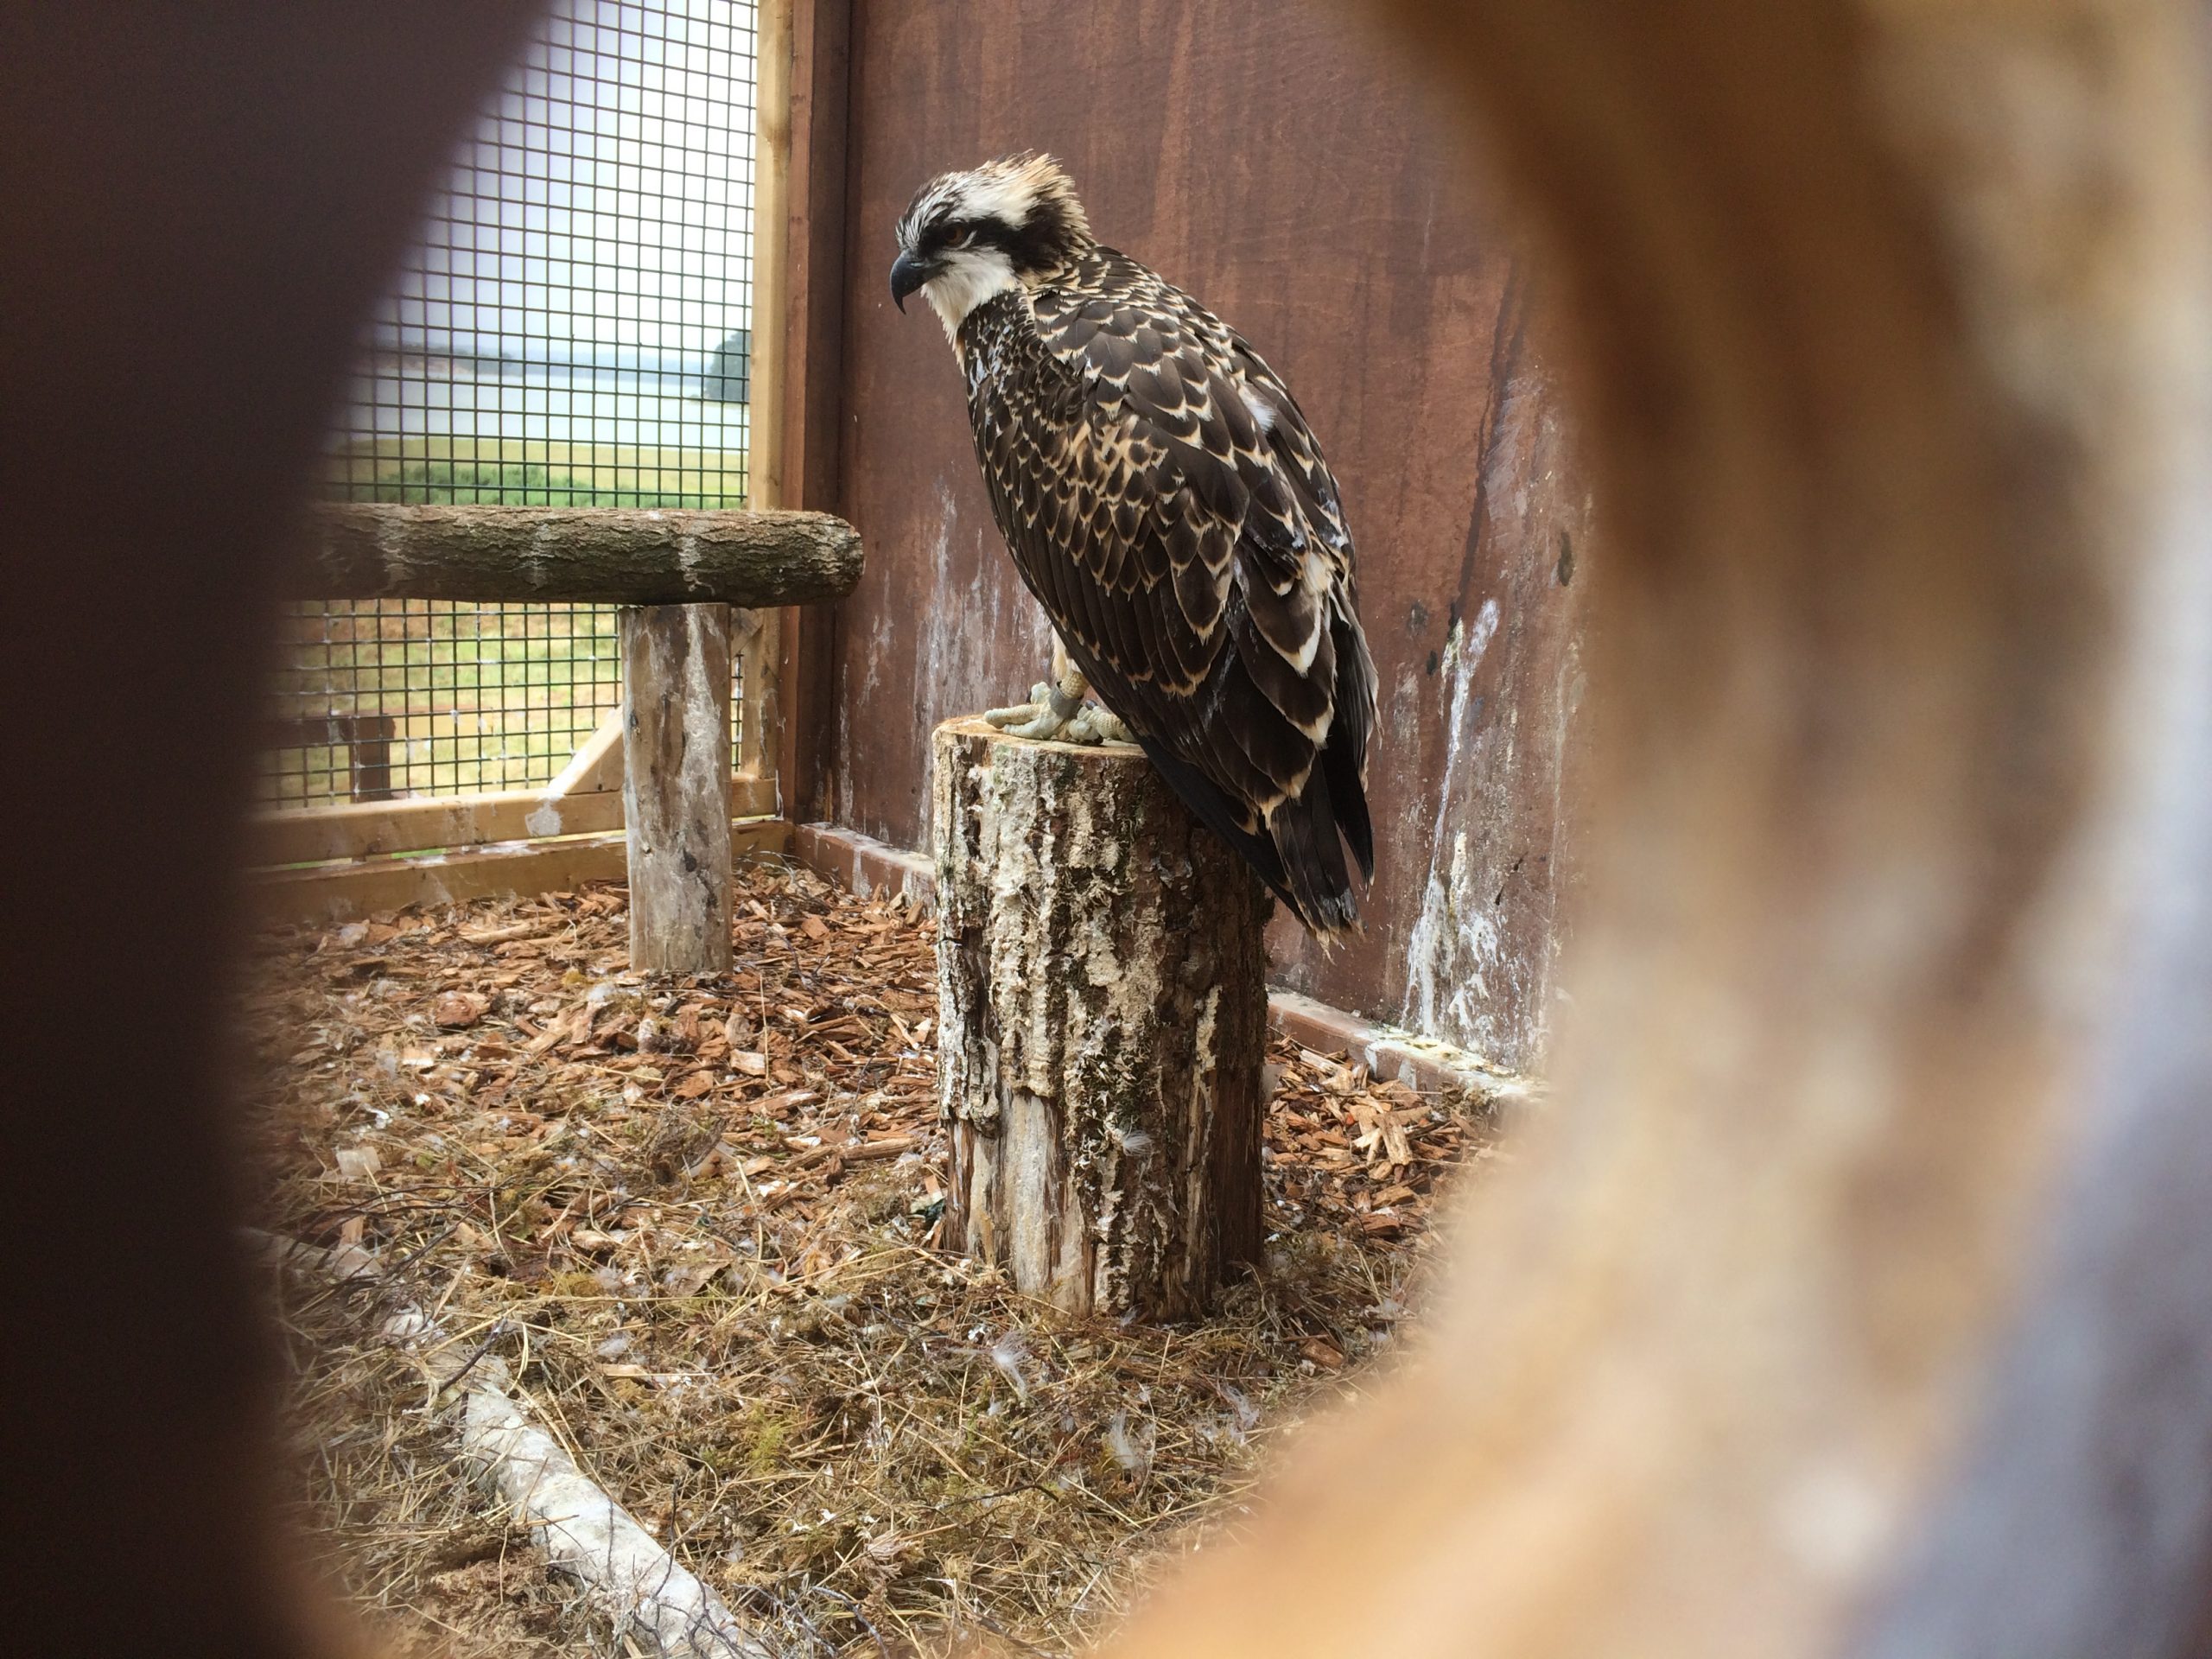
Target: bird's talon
[
  {"x": 1097, "y": 724},
  {"x": 1048, "y": 717},
  {"x": 1024, "y": 714}
]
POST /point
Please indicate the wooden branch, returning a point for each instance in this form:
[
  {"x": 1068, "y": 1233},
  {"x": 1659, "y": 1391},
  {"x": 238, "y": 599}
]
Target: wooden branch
[{"x": 607, "y": 556}]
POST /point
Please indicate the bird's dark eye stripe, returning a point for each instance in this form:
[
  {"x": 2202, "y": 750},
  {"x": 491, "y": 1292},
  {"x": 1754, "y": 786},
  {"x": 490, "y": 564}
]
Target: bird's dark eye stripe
[
  {"x": 948, "y": 232},
  {"x": 1030, "y": 246},
  {"x": 935, "y": 228}
]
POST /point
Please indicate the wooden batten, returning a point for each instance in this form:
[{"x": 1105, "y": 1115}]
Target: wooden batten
[
  {"x": 804, "y": 71},
  {"x": 771, "y": 250},
  {"x": 372, "y": 829},
  {"x": 339, "y": 892},
  {"x": 597, "y": 764}
]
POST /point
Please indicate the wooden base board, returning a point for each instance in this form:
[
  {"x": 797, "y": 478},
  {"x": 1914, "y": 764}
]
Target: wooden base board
[
  {"x": 325, "y": 893},
  {"x": 1387, "y": 1052},
  {"x": 862, "y": 864},
  {"x": 460, "y": 823}
]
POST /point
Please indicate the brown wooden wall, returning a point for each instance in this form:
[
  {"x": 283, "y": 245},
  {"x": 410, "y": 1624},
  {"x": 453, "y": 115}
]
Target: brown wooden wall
[{"x": 1266, "y": 158}]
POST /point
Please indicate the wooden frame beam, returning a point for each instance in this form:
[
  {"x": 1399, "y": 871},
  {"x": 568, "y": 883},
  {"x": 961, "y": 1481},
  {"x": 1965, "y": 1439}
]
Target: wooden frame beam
[
  {"x": 805, "y": 65},
  {"x": 375, "y": 829},
  {"x": 341, "y": 893}
]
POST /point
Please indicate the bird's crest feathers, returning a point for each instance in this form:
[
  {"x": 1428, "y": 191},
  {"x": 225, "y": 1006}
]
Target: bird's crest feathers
[{"x": 1029, "y": 193}]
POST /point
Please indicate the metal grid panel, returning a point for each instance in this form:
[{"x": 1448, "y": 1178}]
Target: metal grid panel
[
  {"x": 572, "y": 329},
  {"x": 382, "y": 698}
]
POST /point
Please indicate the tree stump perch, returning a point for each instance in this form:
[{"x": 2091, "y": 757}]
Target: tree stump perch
[
  {"x": 676, "y": 771},
  {"x": 1102, "y": 980}
]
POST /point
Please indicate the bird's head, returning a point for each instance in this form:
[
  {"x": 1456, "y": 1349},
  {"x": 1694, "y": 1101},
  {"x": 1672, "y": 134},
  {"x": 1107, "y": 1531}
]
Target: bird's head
[{"x": 968, "y": 236}]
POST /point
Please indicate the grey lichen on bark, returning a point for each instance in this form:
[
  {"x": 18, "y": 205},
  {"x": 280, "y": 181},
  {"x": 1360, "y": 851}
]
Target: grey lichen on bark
[{"x": 1102, "y": 980}]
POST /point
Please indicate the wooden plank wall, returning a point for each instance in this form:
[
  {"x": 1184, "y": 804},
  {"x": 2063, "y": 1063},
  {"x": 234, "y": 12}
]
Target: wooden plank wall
[{"x": 1265, "y": 156}]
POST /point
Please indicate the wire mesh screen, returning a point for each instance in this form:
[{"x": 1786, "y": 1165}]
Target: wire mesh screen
[
  {"x": 379, "y": 699},
  {"x": 573, "y": 328}
]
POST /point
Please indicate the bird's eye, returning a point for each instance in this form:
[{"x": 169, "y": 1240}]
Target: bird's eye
[{"x": 965, "y": 240}]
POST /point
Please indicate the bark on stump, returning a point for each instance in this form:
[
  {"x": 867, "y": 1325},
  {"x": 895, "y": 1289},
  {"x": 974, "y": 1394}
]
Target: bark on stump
[
  {"x": 1103, "y": 1025},
  {"x": 675, "y": 770}
]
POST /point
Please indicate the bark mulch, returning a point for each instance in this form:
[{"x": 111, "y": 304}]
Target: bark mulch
[{"x": 700, "y": 1223}]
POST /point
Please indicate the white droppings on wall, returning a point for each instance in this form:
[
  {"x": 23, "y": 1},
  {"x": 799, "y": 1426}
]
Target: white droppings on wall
[
  {"x": 1405, "y": 699},
  {"x": 1455, "y": 937},
  {"x": 942, "y": 633}
]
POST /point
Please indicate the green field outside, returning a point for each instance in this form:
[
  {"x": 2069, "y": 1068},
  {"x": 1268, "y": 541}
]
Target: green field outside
[
  {"x": 515, "y": 472},
  {"x": 483, "y": 696}
]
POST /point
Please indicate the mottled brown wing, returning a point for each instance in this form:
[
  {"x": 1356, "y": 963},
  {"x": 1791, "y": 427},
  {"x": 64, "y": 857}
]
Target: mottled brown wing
[{"x": 1166, "y": 501}]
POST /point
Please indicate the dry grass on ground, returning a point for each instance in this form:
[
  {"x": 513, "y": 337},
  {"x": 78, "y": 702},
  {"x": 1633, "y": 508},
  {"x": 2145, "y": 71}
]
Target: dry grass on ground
[{"x": 699, "y": 1224}]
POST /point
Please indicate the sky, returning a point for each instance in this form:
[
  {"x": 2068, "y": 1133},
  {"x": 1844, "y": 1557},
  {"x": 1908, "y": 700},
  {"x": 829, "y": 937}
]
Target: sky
[{"x": 602, "y": 208}]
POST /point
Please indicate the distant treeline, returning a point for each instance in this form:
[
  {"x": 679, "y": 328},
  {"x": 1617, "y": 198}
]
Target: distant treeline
[
  {"x": 726, "y": 377},
  {"x": 515, "y": 484}
]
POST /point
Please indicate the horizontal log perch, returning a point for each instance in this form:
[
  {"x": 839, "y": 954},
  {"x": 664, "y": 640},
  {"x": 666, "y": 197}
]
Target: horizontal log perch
[{"x": 603, "y": 556}]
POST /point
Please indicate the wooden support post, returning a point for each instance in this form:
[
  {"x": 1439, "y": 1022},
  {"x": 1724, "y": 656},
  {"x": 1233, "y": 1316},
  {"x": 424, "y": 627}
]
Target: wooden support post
[
  {"x": 366, "y": 739},
  {"x": 675, "y": 790},
  {"x": 805, "y": 65},
  {"x": 1102, "y": 1025}
]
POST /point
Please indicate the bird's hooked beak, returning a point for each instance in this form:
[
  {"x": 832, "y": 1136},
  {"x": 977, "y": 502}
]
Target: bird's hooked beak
[{"x": 908, "y": 274}]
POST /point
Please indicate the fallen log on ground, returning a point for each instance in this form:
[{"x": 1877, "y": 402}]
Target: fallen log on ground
[{"x": 650, "y": 1596}]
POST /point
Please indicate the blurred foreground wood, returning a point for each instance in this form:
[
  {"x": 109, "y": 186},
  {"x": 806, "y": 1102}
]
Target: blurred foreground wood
[{"x": 1854, "y": 1297}]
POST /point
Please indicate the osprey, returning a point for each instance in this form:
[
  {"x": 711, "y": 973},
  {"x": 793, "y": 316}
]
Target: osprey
[{"x": 1166, "y": 503}]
